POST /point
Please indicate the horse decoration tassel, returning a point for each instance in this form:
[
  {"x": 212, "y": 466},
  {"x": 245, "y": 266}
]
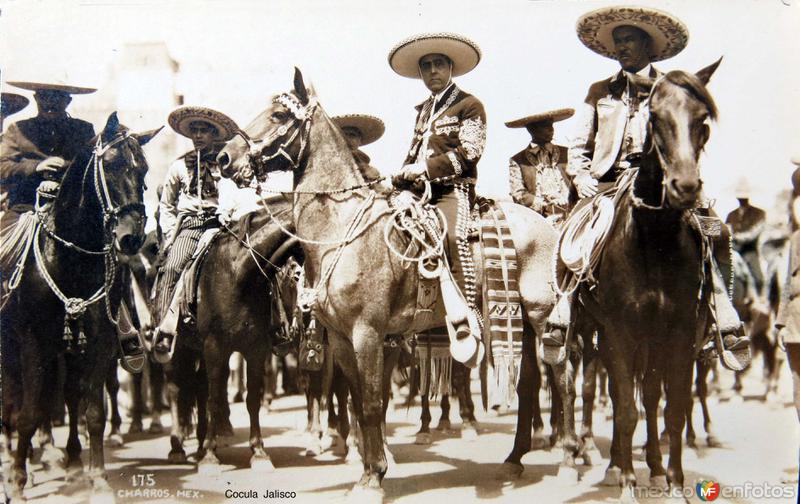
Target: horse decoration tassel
[{"x": 502, "y": 301}]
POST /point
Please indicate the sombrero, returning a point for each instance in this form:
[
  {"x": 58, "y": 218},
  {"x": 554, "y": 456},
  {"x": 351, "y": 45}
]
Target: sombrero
[
  {"x": 12, "y": 103},
  {"x": 182, "y": 117},
  {"x": 58, "y": 85},
  {"x": 669, "y": 34},
  {"x": 796, "y": 160},
  {"x": 371, "y": 127},
  {"x": 743, "y": 189},
  {"x": 404, "y": 57},
  {"x": 552, "y": 115}
]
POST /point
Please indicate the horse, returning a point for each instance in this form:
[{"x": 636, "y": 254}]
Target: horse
[
  {"x": 363, "y": 291},
  {"x": 68, "y": 297},
  {"x": 653, "y": 296}
]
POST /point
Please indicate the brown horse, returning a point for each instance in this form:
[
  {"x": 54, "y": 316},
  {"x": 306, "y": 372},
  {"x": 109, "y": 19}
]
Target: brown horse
[
  {"x": 653, "y": 285},
  {"x": 363, "y": 291},
  {"x": 97, "y": 213}
]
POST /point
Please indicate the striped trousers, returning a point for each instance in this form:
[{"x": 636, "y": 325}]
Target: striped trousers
[{"x": 180, "y": 252}]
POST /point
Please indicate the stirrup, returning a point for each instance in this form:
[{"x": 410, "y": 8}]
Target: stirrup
[
  {"x": 468, "y": 349},
  {"x": 162, "y": 352},
  {"x": 132, "y": 354},
  {"x": 736, "y": 354},
  {"x": 554, "y": 346}
]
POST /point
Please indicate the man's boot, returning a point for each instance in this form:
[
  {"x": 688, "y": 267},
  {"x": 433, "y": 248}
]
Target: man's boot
[
  {"x": 466, "y": 345},
  {"x": 130, "y": 342},
  {"x": 728, "y": 331},
  {"x": 164, "y": 336}
]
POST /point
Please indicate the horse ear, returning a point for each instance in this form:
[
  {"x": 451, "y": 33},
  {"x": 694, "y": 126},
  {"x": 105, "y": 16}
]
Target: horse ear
[
  {"x": 146, "y": 136},
  {"x": 300, "y": 87},
  {"x": 705, "y": 74},
  {"x": 111, "y": 128}
]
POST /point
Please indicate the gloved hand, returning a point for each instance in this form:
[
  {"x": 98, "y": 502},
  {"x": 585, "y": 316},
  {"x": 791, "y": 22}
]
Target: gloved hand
[
  {"x": 51, "y": 165},
  {"x": 586, "y": 185}
]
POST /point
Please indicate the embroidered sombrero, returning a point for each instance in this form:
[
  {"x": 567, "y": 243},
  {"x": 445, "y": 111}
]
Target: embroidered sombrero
[
  {"x": 404, "y": 57},
  {"x": 371, "y": 127},
  {"x": 552, "y": 115},
  {"x": 12, "y": 103},
  {"x": 669, "y": 34},
  {"x": 57, "y": 85},
  {"x": 182, "y": 117}
]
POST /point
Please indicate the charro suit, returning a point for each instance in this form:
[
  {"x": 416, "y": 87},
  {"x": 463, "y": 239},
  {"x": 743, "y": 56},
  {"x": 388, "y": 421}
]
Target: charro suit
[
  {"x": 539, "y": 172},
  {"x": 604, "y": 135}
]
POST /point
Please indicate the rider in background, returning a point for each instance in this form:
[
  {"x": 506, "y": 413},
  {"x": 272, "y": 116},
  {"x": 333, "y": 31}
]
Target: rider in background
[
  {"x": 538, "y": 174},
  {"x": 747, "y": 223},
  {"x": 188, "y": 206}
]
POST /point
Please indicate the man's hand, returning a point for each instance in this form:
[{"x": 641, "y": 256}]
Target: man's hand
[
  {"x": 586, "y": 185},
  {"x": 526, "y": 200},
  {"x": 51, "y": 165},
  {"x": 413, "y": 171}
]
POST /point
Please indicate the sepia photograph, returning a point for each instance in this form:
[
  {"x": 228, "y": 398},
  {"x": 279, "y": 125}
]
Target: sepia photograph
[{"x": 401, "y": 251}]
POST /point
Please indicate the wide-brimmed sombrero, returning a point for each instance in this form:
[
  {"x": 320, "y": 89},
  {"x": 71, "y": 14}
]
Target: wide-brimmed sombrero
[
  {"x": 743, "y": 189},
  {"x": 11, "y": 103},
  {"x": 552, "y": 115},
  {"x": 182, "y": 117},
  {"x": 669, "y": 34},
  {"x": 371, "y": 127},
  {"x": 56, "y": 85},
  {"x": 796, "y": 160},
  {"x": 404, "y": 57}
]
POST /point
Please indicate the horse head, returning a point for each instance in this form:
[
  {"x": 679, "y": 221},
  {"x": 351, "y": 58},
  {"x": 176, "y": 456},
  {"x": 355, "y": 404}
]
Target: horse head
[
  {"x": 680, "y": 110},
  {"x": 119, "y": 171},
  {"x": 275, "y": 140}
]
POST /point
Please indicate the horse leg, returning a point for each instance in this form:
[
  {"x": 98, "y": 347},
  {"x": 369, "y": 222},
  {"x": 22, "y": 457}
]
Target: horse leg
[
  {"x": 96, "y": 424},
  {"x": 201, "y": 398},
  {"x": 679, "y": 390},
  {"x": 565, "y": 383},
  {"x": 391, "y": 356},
  {"x": 556, "y": 409},
  {"x": 314, "y": 403},
  {"x": 512, "y": 467},
  {"x": 444, "y": 406},
  {"x": 137, "y": 403},
  {"x": 342, "y": 417},
  {"x": 74, "y": 466},
  {"x": 589, "y": 388},
  {"x": 216, "y": 361},
  {"x": 620, "y": 372},
  {"x": 255, "y": 388},
  {"x": 701, "y": 384},
  {"x": 423, "y": 437},
  {"x": 112, "y": 386},
  {"x": 177, "y": 455},
  {"x": 460, "y": 385},
  {"x": 538, "y": 439},
  {"x": 652, "y": 396},
  {"x": 157, "y": 381},
  {"x": 237, "y": 373}
]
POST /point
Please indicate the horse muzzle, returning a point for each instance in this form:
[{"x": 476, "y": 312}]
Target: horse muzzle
[
  {"x": 129, "y": 234},
  {"x": 683, "y": 193}
]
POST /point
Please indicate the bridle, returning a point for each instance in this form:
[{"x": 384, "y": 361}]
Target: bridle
[
  {"x": 300, "y": 124},
  {"x": 110, "y": 210}
]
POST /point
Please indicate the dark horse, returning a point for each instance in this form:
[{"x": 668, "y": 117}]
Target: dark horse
[
  {"x": 97, "y": 213},
  {"x": 653, "y": 290},
  {"x": 362, "y": 290}
]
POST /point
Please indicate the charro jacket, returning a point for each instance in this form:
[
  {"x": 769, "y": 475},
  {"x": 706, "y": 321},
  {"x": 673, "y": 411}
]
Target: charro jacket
[
  {"x": 450, "y": 142},
  {"x": 552, "y": 190},
  {"x": 30, "y": 141},
  {"x": 603, "y": 120}
]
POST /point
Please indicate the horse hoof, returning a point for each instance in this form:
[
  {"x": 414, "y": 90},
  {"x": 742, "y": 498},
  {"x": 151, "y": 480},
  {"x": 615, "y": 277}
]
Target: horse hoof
[
  {"x": 102, "y": 493},
  {"x": 365, "y": 495},
  {"x": 539, "y": 442},
  {"x": 567, "y": 476},
  {"x": 659, "y": 482},
  {"x": 210, "y": 468},
  {"x": 314, "y": 448},
  {"x": 135, "y": 428},
  {"x": 422, "y": 438},
  {"x": 612, "y": 477},
  {"x": 261, "y": 464},
  {"x": 177, "y": 457},
  {"x": 469, "y": 433},
  {"x": 155, "y": 428},
  {"x": 115, "y": 440},
  {"x": 326, "y": 441},
  {"x": 591, "y": 457},
  {"x": 509, "y": 471},
  {"x": 713, "y": 442},
  {"x": 52, "y": 456},
  {"x": 444, "y": 425}
]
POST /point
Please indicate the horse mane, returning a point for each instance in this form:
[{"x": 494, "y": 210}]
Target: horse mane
[{"x": 695, "y": 87}]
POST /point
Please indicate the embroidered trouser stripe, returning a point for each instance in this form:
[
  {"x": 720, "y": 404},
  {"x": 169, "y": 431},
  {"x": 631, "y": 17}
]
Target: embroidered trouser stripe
[{"x": 179, "y": 255}]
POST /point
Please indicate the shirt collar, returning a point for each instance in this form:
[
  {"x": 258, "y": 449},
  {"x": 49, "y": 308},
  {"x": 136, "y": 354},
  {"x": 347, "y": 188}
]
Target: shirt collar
[{"x": 437, "y": 98}]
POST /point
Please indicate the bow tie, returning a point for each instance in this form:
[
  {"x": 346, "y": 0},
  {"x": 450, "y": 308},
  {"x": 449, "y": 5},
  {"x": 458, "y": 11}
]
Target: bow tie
[{"x": 207, "y": 158}]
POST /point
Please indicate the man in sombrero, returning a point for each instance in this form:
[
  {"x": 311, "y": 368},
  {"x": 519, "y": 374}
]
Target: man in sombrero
[
  {"x": 188, "y": 207},
  {"x": 747, "y": 223},
  {"x": 448, "y": 142},
  {"x": 538, "y": 173},
  {"x": 38, "y": 149},
  {"x": 360, "y": 130},
  {"x": 613, "y": 127}
]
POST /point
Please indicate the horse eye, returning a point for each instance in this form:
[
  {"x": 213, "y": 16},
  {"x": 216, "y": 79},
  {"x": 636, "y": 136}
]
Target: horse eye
[{"x": 279, "y": 116}]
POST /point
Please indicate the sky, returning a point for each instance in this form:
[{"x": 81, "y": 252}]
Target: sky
[{"x": 235, "y": 54}]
